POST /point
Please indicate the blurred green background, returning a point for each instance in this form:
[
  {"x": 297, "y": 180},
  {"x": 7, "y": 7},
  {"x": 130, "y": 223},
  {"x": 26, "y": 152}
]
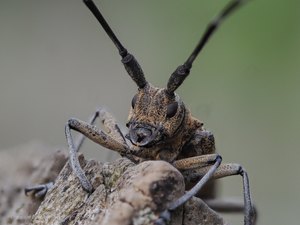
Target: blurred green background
[{"x": 56, "y": 62}]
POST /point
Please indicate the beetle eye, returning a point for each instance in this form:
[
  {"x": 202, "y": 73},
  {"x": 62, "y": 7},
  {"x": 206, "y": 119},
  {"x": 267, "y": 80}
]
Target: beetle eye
[
  {"x": 133, "y": 101},
  {"x": 172, "y": 109}
]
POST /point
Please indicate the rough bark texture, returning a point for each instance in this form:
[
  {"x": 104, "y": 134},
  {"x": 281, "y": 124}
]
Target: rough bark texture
[{"x": 125, "y": 193}]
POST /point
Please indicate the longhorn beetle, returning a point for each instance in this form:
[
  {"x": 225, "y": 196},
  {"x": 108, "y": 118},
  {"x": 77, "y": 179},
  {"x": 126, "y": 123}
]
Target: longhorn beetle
[{"x": 160, "y": 127}]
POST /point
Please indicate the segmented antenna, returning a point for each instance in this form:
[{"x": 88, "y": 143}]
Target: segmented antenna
[
  {"x": 179, "y": 75},
  {"x": 130, "y": 63}
]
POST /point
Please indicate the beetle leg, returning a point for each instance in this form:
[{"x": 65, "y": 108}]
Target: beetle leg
[
  {"x": 229, "y": 170},
  {"x": 195, "y": 162},
  {"x": 199, "y": 167},
  {"x": 164, "y": 216},
  {"x": 228, "y": 205},
  {"x": 80, "y": 139},
  {"x": 94, "y": 134},
  {"x": 40, "y": 190},
  {"x": 109, "y": 123},
  {"x": 111, "y": 126}
]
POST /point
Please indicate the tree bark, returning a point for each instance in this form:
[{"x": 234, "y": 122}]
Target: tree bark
[{"x": 124, "y": 193}]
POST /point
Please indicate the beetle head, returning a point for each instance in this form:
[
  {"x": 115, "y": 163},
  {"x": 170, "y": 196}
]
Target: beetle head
[{"x": 155, "y": 116}]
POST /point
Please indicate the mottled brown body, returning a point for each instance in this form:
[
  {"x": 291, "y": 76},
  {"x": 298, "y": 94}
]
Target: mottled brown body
[
  {"x": 178, "y": 137},
  {"x": 181, "y": 136}
]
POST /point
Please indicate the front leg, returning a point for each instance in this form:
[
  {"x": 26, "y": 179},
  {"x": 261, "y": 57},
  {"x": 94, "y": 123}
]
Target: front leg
[
  {"x": 109, "y": 123},
  {"x": 40, "y": 190},
  {"x": 202, "y": 173},
  {"x": 191, "y": 163},
  {"x": 195, "y": 161},
  {"x": 114, "y": 132},
  {"x": 225, "y": 170},
  {"x": 94, "y": 134}
]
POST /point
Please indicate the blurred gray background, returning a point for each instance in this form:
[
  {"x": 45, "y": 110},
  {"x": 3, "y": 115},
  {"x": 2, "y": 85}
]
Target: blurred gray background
[{"x": 56, "y": 63}]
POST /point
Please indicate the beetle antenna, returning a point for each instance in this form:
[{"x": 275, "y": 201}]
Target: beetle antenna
[
  {"x": 130, "y": 63},
  {"x": 183, "y": 71}
]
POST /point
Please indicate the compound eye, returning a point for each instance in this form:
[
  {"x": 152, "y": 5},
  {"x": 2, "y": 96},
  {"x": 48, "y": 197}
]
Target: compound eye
[
  {"x": 133, "y": 101},
  {"x": 172, "y": 109}
]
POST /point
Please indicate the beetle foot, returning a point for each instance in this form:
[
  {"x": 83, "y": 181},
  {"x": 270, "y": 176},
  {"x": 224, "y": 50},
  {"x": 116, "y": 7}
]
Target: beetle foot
[
  {"x": 39, "y": 191},
  {"x": 164, "y": 218}
]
